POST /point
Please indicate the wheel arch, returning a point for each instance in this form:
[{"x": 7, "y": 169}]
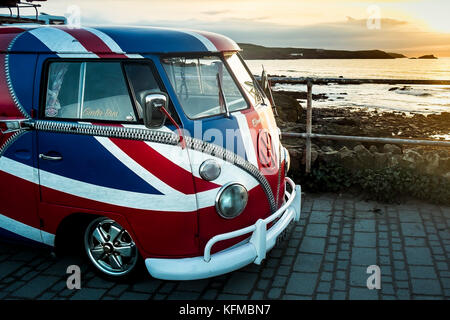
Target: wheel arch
[{"x": 73, "y": 226}]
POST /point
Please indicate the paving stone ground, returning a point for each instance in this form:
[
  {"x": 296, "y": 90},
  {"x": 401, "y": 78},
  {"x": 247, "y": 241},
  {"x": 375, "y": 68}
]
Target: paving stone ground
[{"x": 325, "y": 256}]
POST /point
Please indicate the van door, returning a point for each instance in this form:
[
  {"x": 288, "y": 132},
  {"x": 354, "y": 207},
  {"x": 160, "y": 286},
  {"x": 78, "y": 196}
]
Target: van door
[
  {"x": 150, "y": 184},
  {"x": 19, "y": 190}
]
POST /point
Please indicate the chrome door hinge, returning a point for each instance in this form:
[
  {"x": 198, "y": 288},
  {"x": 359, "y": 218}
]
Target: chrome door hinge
[{"x": 13, "y": 125}]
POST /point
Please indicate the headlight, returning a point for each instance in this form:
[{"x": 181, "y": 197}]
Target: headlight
[
  {"x": 287, "y": 159},
  {"x": 209, "y": 170},
  {"x": 231, "y": 200}
]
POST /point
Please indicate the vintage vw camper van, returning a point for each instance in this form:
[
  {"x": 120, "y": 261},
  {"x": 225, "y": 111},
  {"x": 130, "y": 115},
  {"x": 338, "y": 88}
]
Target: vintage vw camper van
[{"x": 144, "y": 146}]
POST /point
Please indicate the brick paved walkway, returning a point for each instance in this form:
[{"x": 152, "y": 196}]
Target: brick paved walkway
[{"x": 325, "y": 256}]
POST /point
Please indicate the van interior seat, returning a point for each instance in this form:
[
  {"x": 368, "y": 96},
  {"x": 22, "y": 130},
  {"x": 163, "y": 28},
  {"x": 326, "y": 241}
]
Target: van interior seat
[{"x": 115, "y": 108}]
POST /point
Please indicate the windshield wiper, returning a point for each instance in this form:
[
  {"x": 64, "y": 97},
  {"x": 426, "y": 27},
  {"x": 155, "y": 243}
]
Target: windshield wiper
[
  {"x": 222, "y": 101},
  {"x": 258, "y": 92}
]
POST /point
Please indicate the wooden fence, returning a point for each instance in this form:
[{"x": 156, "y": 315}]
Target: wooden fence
[{"x": 309, "y": 135}]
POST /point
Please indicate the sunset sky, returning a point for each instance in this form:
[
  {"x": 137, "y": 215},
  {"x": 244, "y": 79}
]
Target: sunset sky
[{"x": 412, "y": 27}]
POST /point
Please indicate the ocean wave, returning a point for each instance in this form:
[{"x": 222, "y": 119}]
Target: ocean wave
[
  {"x": 404, "y": 98},
  {"x": 417, "y": 93},
  {"x": 412, "y": 91}
]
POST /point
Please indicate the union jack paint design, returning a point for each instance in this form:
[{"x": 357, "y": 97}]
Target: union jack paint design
[{"x": 152, "y": 189}]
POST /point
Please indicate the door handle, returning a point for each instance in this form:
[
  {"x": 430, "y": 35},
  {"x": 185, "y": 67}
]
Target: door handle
[{"x": 50, "y": 158}]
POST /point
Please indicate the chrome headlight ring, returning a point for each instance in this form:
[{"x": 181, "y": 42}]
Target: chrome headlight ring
[
  {"x": 209, "y": 170},
  {"x": 231, "y": 200},
  {"x": 287, "y": 160}
]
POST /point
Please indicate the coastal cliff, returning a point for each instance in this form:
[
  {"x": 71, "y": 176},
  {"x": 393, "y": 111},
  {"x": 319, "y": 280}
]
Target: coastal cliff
[{"x": 256, "y": 52}]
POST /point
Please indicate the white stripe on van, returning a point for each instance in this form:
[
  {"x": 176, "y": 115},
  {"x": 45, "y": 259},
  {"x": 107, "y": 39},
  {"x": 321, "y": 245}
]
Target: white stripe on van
[
  {"x": 26, "y": 231},
  {"x": 19, "y": 170},
  {"x": 206, "y": 42},
  {"x": 128, "y": 199},
  {"x": 30, "y": 174},
  {"x": 192, "y": 161},
  {"x": 112, "y": 45},
  {"x": 77, "y": 55},
  {"x": 229, "y": 172},
  {"x": 180, "y": 158},
  {"x": 134, "y": 56},
  {"x": 95, "y": 192},
  {"x": 247, "y": 138},
  {"x": 175, "y": 202},
  {"x": 140, "y": 171},
  {"x": 174, "y": 154},
  {"x": 58, "y": 40}
]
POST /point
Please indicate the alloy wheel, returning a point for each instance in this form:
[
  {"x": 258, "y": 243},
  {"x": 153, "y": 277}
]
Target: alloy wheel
[{"x": 110, "y": 247}]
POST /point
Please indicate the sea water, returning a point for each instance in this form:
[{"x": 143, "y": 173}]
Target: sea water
[{"x": 423, "y": 99}]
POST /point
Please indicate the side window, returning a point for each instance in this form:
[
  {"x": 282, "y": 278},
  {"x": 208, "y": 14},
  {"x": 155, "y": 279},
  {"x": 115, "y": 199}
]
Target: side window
[
  {"x": 250, "y": 87},
  {"x": 62, "y": 88},
  {"x": 88, "y": 90},
  {"x": 142, "y": 82},
  {"x": 196, "y": 82}
]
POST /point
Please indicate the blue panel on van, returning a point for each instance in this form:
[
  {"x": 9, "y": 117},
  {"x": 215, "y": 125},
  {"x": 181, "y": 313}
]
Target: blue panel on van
[
  {"x": 217, "y": 128},
  {"x": 85, "y": 159},
  {"x": 21, "y": 71},
  {"x": 22, "y": 149},
  {"x": 25, "y": 41},
  {"x": 154, "y": 40},
  {"x": 12, "y": 237}
]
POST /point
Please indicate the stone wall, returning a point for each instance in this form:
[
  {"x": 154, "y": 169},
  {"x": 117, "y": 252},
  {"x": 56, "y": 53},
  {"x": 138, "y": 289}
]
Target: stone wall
[{"x": 426, "y": 160}]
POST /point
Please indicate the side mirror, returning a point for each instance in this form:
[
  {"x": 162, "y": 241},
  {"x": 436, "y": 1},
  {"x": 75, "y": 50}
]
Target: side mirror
[{"x": 154, "y": 117}]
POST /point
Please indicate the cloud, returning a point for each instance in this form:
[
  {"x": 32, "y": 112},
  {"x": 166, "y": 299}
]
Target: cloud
[
  {"x": 259, "y": 26},
  {"x": 215, "y": 12},
  {"x": 394, "y": 35},
  {"x": 383, "y": 21}
]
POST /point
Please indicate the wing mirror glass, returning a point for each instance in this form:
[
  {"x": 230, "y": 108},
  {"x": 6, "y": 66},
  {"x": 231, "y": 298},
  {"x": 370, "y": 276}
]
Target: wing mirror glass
[{"x": 154, "y": 116}]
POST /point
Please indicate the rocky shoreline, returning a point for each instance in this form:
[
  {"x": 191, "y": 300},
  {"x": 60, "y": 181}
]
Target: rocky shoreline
[{"x": 360, "y": 122}]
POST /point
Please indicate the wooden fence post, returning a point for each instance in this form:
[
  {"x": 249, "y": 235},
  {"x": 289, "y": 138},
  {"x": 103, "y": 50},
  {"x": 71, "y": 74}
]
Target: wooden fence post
[{"x": 308, "y": 126}]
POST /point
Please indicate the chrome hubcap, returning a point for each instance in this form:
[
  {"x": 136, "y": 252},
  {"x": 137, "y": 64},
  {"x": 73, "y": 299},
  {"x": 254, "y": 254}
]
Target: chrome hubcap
[{"x": 110, "y": 248}]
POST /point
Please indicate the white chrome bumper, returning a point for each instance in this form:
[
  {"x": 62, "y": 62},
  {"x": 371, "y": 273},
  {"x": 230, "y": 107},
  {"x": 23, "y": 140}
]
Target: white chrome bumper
[{"x": 236, "y": 257}]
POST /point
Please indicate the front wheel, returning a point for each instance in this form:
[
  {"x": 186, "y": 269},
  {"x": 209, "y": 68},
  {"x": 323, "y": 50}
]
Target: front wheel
[{"x": 110, "y": 248}]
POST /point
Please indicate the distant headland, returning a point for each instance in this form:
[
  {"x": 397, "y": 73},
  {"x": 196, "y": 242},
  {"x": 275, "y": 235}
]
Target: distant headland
[
  {"x": 427, "y": 56},
  {"x": 257, "y": 52}
]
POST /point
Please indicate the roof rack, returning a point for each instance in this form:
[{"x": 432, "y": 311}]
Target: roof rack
[{"x": 10, "y": 4}]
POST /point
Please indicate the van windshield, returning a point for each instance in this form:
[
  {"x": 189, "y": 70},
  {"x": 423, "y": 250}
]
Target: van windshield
[{"x": 204, "y": 86}]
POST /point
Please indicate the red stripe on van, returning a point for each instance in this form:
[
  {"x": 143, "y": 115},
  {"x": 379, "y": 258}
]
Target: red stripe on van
[
  {"x": 220, "y": 42},
  {"x": 162, "y": 168},
  {"x": 7, "y": 106},
  {"x": 92, "y": 43},
  {"x": 17, "y": 199},
  {"x": 211, "y": 224},
  {"x": 7, "y": 35}
]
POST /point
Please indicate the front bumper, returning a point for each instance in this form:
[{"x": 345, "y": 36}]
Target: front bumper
[{"x": 236, "y": 257}]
